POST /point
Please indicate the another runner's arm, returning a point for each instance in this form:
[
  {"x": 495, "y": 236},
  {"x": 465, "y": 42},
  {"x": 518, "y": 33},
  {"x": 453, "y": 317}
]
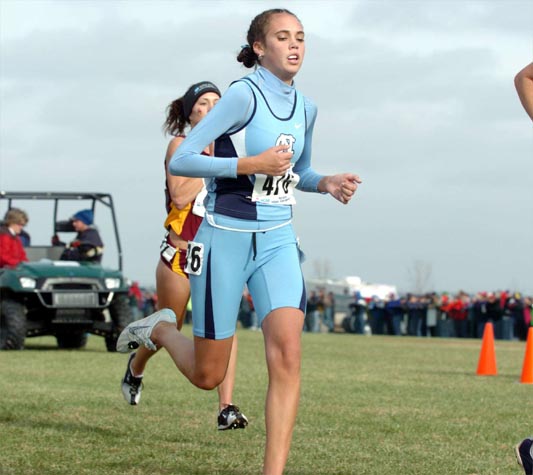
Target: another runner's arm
[
  {"x": 524, "y": 87},
  {"x": 230, "y": 113},
  {"x": 182, "y": 190}
]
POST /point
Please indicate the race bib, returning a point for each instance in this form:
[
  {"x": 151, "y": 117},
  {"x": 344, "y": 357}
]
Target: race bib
[
  {"x": 198, "y": 207},
  {"x": 195, "y": 258},
  {"x": 278, "y": 190}
]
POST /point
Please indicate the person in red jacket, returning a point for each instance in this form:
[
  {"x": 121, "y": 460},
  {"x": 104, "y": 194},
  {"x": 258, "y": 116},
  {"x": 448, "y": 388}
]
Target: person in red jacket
[
  {"x": 11, "y": 249},
  {"x": 457, "y": 311}
]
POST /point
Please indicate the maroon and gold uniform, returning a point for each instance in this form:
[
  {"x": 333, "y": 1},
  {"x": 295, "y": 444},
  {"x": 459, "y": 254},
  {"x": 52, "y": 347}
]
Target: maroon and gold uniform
[{"x": 185, "y": 224}]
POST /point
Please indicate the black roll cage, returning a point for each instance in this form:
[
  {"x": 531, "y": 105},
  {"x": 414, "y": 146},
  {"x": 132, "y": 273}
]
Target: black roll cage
[{"x": 103, "y": 198}]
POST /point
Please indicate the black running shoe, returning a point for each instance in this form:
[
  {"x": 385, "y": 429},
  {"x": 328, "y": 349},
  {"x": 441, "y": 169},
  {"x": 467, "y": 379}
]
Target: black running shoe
[
  {"x": 231, "y": 418},
  {"x": 524, "y": 455},
  {"x": 131, "y": 385}
]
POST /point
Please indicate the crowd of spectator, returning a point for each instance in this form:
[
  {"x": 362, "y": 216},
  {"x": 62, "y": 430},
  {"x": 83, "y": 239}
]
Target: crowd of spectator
[
  {"x": 143, "y": 301},
  {"x": 461, "y": 315},
  {"x": 320, "y": 310}
]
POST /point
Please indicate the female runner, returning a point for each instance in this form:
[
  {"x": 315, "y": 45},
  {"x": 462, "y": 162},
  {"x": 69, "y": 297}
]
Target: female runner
[
  {"x": 185, "y": 210},
  {"x": 262, "y": 128}
]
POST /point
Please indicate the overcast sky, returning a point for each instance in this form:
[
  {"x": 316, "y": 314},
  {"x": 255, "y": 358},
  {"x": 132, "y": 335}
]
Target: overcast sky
[{"x": 417, "y": 97}]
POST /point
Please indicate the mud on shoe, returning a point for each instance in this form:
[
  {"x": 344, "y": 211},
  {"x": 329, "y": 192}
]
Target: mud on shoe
[
  {"x": 138, "y": 333},
  {"x": 131, "y": 385},
  {"x": 231, "y": 418}
]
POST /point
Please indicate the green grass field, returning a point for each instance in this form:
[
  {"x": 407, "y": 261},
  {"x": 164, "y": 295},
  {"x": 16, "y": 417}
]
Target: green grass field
[{"x": 369, "y": 405}]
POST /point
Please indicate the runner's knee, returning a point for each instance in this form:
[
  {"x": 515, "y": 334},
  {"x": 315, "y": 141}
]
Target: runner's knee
[
  {"x": 208, "y": 380},
  {"x": 284, "y": 360}
]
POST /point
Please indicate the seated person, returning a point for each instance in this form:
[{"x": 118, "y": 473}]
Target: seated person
[
  {"x": 25, "y": 238},
  {"x": 11, "y": 250},
  {"x": 88, "y": 246}
]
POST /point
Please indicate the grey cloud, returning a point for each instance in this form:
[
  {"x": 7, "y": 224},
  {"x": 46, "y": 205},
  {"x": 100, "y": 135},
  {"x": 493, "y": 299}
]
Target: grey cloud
[
  {"x": 437, "y": 16},
  {"x": 117, "y": 51},
  {"x": 438, "y": 137}
]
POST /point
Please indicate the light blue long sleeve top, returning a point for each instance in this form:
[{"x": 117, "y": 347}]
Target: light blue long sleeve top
[{"x": 254, "y": 105}]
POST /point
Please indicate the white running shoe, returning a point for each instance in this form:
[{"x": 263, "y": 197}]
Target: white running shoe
[{"x": 138, "y": 333}]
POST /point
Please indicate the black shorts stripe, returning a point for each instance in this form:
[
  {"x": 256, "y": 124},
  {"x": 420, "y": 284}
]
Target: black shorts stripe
[
  {"x": 303, "y": 300},
  {"x": 209, "y": 317}
]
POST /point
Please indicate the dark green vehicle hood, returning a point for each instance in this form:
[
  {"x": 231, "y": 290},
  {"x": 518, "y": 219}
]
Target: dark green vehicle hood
[{"x": 42, "y": 270}]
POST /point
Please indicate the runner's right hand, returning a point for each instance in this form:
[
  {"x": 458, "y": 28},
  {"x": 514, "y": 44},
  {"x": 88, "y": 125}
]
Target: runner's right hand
[{"x": 274, "y": 161}]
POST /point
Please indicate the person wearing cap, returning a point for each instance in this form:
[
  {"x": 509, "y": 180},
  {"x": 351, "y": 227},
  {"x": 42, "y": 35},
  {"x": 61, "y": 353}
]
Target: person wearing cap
[
  {"x": 11, "y": 247},
  {"x": 88, "y": 245},
  {"x": 184, "y": 207}
]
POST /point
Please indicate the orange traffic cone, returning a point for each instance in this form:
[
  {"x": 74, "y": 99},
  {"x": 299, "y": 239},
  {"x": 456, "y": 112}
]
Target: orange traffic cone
[
  {"x": 487, "y": 357},
  {"x": 527, "y": 371}
]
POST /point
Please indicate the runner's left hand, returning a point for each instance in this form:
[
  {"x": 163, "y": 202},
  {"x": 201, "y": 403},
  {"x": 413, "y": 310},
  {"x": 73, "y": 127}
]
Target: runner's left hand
[{"x": 342, "y": 186}]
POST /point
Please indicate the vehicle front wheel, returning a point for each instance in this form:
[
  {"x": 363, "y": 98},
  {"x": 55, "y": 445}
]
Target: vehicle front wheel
[
  {"x": 12, "y": 325},
  {"x": 71, "y": 339}
]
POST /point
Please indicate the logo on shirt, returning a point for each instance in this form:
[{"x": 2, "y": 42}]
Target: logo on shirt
[{"x": 286, "y": 139}]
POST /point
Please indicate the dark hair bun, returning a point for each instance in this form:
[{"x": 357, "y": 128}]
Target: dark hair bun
[{"x": 247, "y": 57}]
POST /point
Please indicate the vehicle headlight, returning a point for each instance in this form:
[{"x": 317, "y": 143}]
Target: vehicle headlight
[
  {"x": 27, "y": 282},
  {"x": 112, "y": 283}
]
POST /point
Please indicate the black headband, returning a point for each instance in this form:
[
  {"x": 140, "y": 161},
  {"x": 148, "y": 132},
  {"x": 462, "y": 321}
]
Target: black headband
[{"x": 194, "y": 92}]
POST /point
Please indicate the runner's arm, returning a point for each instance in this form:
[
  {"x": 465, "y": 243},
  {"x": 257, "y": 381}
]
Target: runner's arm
[
  {"x": 309, "y": 178},
  {"x": 341, "y": 186},
  {"x": 230, "y": 113},
  {"x": 182, "y": 190},
  {"x": 524, "y": 87}
]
